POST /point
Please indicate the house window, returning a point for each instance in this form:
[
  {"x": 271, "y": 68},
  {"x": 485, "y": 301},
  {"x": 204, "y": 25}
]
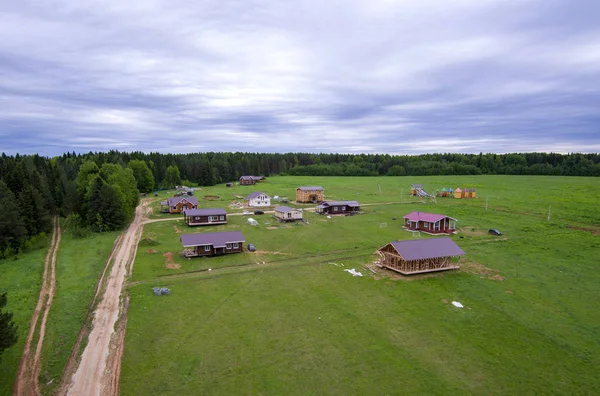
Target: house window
[
  {"x": 335, "y": 208},
  {"x": 207, "y": 248},
  {"x": 236, "y": 245},
  {"x": 228, "y": 245},
  {"x": 213, "y": 218},
  {"x": 222, "y": 218},
  {"x": 175, "y": 207}
]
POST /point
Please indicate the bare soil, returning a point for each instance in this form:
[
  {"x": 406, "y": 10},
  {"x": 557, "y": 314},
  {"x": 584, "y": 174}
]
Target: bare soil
[
  {"x": 212, "y": 197},
  {"x": 474, "y": 267},
  {"x": 169, "y": 263},
  {"x": 267, "y": 252},
  {"x": 99, "y": 368},
  {"x": 151, "y": 251},
  {"x": 594, "y": 230},
  {"x": 177, "y": 230},
  {"x": 29, "y": 370}
]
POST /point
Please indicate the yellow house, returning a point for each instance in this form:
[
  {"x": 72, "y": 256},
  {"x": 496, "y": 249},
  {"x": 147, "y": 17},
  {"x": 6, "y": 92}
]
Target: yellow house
[
  {"x": 312, "y": 194},
  {"x": 458, "y": 193}
]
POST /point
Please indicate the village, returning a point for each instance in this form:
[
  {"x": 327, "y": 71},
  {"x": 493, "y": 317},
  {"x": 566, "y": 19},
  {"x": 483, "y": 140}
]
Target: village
[{"x": 407, "y": 257}]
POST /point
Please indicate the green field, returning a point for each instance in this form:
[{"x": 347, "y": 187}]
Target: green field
[
  {"x": 295, "y": 323},
  {"x": 78, "y": 267}
]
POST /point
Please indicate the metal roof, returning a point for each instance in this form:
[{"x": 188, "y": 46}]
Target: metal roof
[
  {"x": 205, "y": 212},
  {"x": 254, "y": 195},
  {"x": 172, "y": 201},
  {"x": 417, "y": 249},
  {"x": 427, "y": 217},
  {"x": 216, "y": 239},
  {"x": 341, "y": 203},
  {"x": 285, "y": 209},
  {"x": 311, "y": 188}
]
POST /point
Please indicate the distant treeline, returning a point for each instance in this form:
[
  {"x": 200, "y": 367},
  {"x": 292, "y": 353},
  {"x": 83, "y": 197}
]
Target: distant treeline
[{"x": 99, "y": 191}]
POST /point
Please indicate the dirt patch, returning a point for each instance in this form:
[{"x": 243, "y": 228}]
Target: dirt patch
[
  {"x": 474, "y": 267},
  {"x": 472, "y": 231},
  {"x": 169, "y": 263},
  {"x": 267, "y": 252},
  {"x": 238, "y": 196},
  {"x": 594, "y": 230},
  {"x": 212, "y": 197},
  {"x": 151, "y": 251},
  {"x": 272, "y": 228},
  {"x": 508, "y": 292},
  {"x": 445, "y": 301},
  {"x": 177, "y": 230}
]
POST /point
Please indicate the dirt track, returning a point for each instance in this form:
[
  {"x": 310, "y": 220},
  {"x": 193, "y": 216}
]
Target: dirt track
[
  {"x": 98, "y": 370},
  {"x": 29, "y": 369}
]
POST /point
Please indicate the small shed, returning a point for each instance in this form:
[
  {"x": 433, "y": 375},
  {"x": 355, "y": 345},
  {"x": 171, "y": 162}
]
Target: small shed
[
  {"x": 418, "y": 256},
  {"x": 458, "y": 193},
  {"x": 285, "y": 213},
  {"x": 472, "y": 193}
]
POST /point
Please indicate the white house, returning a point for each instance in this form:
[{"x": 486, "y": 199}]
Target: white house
[
  {"x": 258, "y": 199},
  {"x": 285, "y": 213}
]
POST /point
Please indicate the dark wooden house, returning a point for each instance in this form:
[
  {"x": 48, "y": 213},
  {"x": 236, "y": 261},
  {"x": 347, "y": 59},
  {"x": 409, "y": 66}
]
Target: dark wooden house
[
  {"x": 250, "y": 180},
  {"x": 205, "y": 216},
  {"x": 338, "y": 208},
  {"x": 430, "y": 223},
  {"x": 418, "y": 256},
  {"x": 178, "y": 204},
  {"x": 212, "y": 243},
  {"x": 312, "y": 194}
]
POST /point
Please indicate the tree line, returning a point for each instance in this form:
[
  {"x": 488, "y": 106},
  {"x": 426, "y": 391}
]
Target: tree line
[{"x": 98, "y": 191}]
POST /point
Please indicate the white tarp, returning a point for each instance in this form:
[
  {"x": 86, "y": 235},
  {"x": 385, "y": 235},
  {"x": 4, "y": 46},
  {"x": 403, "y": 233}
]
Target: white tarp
[
  {"x": 252, "y": 222},
  {"x": 457, "y": 304},
  {"x": 353, "y": 272}
]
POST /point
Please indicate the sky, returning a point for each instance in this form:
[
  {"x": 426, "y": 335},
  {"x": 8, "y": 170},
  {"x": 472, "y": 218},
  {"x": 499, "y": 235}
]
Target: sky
[{"x": 352, "y": 76}]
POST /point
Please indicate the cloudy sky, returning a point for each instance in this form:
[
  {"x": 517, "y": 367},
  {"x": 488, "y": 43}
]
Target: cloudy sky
[{"x": 405, "y": 76}]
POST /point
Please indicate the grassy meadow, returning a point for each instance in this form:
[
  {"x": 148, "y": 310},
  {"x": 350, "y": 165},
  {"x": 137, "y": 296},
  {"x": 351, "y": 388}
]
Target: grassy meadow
[
  {"x": 78, "y": 267},
  {"x": 289, "y": 320}
]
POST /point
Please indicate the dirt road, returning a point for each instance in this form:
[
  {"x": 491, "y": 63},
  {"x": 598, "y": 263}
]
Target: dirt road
[
  {"x": 97, "y": 373},
  {"x": 29, "y": 369}
]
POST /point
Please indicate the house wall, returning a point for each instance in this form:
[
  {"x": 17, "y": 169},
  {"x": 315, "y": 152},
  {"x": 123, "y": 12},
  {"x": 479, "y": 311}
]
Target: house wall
[
  {"x": 244, "y": 182},
  {"x": 305, "y": 196},
  {"x": 260, "y": 201},
  {"x": 181, "y": 206},
  {"x": 294, "y": 215},
  {"x": 203, "y": 220},
  {"x": 340, "y": 209},
  {"x": 201, "y": 251}
]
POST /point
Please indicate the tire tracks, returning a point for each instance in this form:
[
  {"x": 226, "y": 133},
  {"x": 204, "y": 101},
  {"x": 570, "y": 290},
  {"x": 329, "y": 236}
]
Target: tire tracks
[{"x": 27, "y": 382}]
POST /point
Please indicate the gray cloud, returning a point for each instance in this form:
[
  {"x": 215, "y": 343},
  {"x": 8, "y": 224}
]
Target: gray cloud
[{"x": 407, "y": 76}]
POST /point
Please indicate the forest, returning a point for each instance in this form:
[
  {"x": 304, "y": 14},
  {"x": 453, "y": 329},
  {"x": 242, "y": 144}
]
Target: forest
[{"x": 98, "y": 191}]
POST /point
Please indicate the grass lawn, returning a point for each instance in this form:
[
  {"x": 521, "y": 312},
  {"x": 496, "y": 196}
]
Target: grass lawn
[
  {"x": 21, "y": 279},
  {"x": 293, "y": 323}
]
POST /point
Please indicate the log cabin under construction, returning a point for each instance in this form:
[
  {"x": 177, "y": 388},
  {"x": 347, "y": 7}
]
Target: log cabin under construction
[
  {"x": 417, "y": 256},
  {"x": 312, "y": 194}
]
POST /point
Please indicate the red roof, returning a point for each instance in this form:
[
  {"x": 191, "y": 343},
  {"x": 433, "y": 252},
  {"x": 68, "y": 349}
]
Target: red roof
[{"x": 427, "y": 217}]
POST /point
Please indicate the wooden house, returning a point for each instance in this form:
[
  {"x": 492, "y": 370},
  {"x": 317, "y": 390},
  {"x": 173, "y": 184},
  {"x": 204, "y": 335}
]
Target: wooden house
[
  {"x": 458, "y": 193},
  {"x": 338, "y": 207},
  {"x": 414, "y": 188},
  {"x": 250, "y": 180},
  {"x": 258, "y": 199},
  {"x": 472, "y": 193},
  {"x": 212, "y": 243},
  {"x": 312, "y": 194},
  {"x": 416, "y": 256},
  {"x": 205, "y": 216},
  {"x": 285, "y": 213},
  {"x": 178, "y": 204},
  {"x": 430, "y": 223}
]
